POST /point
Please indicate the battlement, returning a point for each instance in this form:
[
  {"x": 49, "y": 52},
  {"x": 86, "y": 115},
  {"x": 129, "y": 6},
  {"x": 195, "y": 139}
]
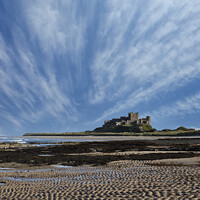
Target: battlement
[{"x": 132, "y": 118}]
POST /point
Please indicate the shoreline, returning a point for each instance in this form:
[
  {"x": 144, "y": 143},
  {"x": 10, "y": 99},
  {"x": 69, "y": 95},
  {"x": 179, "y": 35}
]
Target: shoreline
[
  {"x": 98, "y": 152},
  {"x": 155, "y": 168},
  {"x": 171, "y": 133},
  {"x": 110, "y": 138},
  {"x": 117, "y": 180}
]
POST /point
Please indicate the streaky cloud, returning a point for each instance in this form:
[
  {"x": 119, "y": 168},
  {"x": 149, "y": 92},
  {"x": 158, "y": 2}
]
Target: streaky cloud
[
  {"x": 189, "y": 105},
  {"x": 161, "y": 55},
  {"x": 70, "y": 64}
]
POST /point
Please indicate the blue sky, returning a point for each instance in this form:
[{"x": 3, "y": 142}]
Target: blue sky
[{"x": 69, "y": 65}]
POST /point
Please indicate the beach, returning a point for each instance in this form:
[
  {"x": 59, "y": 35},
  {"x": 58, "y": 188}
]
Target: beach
[
  {"x": 142, "y": 169},
  {"x": 118, "y": 180}
]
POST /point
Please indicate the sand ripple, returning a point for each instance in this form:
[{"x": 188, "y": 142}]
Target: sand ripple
[{"x": 118, "y": 180}]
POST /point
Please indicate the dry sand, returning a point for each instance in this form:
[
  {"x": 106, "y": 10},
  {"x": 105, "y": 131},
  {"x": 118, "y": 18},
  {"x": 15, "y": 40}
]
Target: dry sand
[
  {"x": 117, "y": 180},
  {"x": 111, "y": 138}
]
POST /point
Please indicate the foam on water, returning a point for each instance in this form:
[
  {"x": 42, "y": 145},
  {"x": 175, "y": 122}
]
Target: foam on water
[
  {"x": 12, "y": 140},
  {"x": 51, "y": 141},
  {"x": 5, "y": 168},
  {"x": 61, "y": 166},
  {"x": 40, "y": 142}
]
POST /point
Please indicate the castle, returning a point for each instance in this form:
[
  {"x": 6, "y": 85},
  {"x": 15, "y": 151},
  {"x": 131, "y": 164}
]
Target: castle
[{"x": 132, "y": 118}]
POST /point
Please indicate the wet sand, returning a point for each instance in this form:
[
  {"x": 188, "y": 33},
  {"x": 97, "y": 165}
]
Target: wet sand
[
  {"x": 110, "y": 138},
  {"x": 117, "y": 180},
  {"x": 165, "y": 168}
]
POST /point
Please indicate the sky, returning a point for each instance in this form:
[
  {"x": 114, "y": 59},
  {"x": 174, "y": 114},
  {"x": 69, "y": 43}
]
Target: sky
[{"x": 69, "y": 65}]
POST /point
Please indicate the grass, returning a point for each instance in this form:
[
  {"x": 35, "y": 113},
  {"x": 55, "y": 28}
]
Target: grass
[{"x": 155, "y": 133}]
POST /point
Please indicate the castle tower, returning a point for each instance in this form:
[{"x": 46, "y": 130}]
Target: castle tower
[
  {"x": 136, "y": 116},
  {"x": 131, "y": 116},
  {"x": 148, "y": 120}
]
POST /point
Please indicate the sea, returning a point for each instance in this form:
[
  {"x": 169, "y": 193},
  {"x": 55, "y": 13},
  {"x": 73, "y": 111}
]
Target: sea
[{"x": 38, "y": 141}]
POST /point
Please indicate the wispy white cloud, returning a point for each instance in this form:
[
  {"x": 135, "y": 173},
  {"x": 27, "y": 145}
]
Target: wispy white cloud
[
  {"x": 188, "y": 105},
  {"x": 30, "y": 81},
  {"x": 2, "y": 132},
  {"x": 142, "y": 95},
  {"x": 43, "y": 19},
  {"x": 11, "y": 118},
  {"x": 127, "y": 51},
  {"x": 57, "y": 25},
  {"x": 154, "y": 51},
  {"x": 3, "y": 51},
  {"x": 31, "y": 94}
]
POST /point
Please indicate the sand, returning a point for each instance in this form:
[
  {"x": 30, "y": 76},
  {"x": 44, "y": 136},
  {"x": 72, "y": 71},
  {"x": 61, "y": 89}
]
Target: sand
[
  {"x": 149, "y": 177},
  {"x": 117, "y": 180},
  {"x": 111, "y": 138}
]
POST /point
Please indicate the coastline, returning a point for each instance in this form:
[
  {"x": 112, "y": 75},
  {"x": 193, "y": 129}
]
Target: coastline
[
  {"x": 110, "y": 138},
  {"x": 117, "y": 180},
  {"x": 132, "y": 167}
]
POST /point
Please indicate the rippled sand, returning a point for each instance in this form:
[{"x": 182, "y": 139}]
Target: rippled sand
[{"x": 118, "y": 180}]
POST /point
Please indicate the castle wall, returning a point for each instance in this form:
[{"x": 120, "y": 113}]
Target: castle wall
[
  {"x": 146, "y": 120},
  {"x": 130, "y": 119}
]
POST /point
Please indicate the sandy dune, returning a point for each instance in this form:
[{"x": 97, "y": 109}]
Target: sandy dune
[{"x": 118, "y": 180}]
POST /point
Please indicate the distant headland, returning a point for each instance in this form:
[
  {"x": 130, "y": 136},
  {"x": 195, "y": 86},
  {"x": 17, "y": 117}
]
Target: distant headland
[{"x": 130, "y": 125}]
